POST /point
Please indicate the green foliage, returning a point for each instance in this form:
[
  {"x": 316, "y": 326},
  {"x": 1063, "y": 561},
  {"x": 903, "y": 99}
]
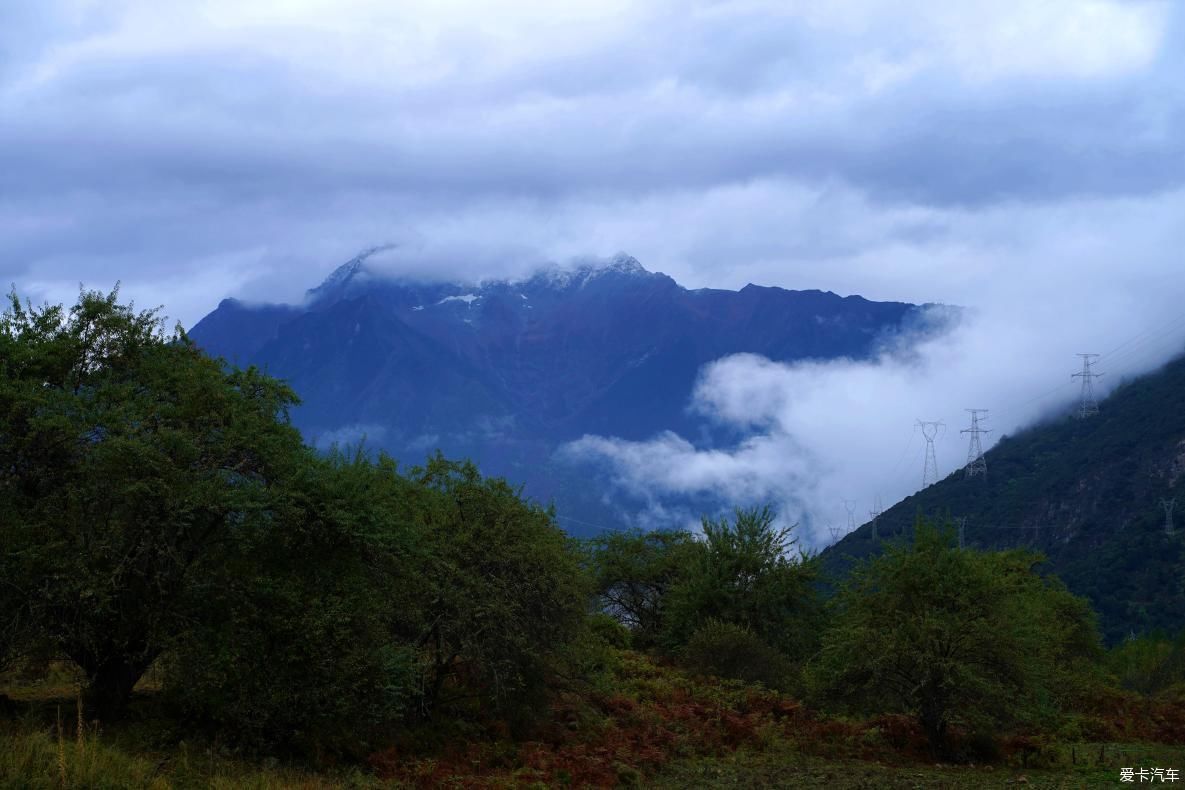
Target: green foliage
[
  {"x": 740, "y": 602},
  {"x": 732, "y": 651},
  {"x": 1148, "y": 664},
  {"x": 954, "y": 636},
  {"x": 743, "y": 573},
  {"x": 299, "y": 641},
  {"x": 371, "y": 600},
  {"x": 632, "y": 574},
  {"x": 500, "y": 587},
  {"x": 127, "y": 458},
  {"x": 159, "y": 508}
]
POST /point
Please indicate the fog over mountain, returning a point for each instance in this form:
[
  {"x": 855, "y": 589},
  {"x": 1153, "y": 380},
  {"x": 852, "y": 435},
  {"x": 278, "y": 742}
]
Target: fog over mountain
[
  {"x": 520, "y": 374},
  {"x": 1022, "y": 160}
]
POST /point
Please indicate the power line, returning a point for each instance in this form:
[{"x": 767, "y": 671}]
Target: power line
[
  {"x": 1173, "y": 326},
  {"x": 1141, "y": 347}
]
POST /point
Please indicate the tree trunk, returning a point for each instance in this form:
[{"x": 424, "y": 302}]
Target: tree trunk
[
  {"x": 110, "y": 687},
  {"x": 933, "y": 722}
]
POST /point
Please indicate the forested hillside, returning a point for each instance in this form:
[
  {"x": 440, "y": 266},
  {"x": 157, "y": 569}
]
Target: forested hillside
[{"x": 1086, "y": 493}]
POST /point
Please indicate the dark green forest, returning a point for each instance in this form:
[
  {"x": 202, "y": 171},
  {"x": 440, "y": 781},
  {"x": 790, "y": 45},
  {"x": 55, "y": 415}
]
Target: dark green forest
[{"x": 173, "y": 548}]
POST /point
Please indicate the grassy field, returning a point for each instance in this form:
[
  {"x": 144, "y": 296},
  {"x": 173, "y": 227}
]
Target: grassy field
[{"x": 653, "y": 726}]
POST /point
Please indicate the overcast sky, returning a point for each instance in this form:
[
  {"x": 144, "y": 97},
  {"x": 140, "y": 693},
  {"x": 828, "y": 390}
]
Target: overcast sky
[{"x": 1026, "y": 159}]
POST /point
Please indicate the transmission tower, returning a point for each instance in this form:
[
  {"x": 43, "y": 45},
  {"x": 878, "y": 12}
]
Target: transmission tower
[
  {"x": 1089, "y": 405},
  {"x": 876, "y": 512},
  {"x": 850, "y": 506},
  {"x": 1168, "y": 505},
  {"x": 834, "y": 533},
  {"x": 976, "y": 463},
  {"x": 930, "y": 430},
  {"x": 962, "y": 522}
]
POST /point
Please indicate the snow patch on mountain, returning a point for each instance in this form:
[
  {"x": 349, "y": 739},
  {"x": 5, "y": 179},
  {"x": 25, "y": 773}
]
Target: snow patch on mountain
[{"x": 468, "y": 299}]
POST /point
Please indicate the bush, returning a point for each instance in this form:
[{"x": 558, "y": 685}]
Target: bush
[
  {"x": 367, "y": 600},
  {"x": 734, "y": 652},
  {"x": 956, "y": 637},
  {"x": 295, "y": 644},
  {"x": 608, "y": 630},
  {"x": 747, "y": 572},
  {"x": 1148, "y": 664}
]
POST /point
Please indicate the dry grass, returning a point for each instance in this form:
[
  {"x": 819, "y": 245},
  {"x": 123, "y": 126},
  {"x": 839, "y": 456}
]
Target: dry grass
[{"x": 651, "y": 726}]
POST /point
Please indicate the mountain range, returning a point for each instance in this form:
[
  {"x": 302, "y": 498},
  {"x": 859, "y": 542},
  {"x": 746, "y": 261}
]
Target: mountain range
[{"x": 505, "y": 371}]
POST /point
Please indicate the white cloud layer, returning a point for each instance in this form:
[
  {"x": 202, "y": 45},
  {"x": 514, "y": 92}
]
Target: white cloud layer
[
  {"x": 1025, "y": 159},
  {"x": 817, "y": 433},
  {"x": 212, "y": 148}
]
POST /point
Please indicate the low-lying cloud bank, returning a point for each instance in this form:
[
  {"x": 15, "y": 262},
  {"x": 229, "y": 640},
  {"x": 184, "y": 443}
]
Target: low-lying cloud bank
[{"x": 817, "y": 433}]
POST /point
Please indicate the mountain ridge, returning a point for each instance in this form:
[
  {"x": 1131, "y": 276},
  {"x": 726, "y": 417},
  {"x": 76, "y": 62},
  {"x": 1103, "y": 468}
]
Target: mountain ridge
[{"x": 506, "y": 370}]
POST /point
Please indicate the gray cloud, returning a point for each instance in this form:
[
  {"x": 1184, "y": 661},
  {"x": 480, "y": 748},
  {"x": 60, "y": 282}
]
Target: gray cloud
[
  {"x": 1025, "y": 159},
  {"x": 1095, "y": 276}
]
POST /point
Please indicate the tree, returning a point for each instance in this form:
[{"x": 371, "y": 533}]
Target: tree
[
  {"x": 367, "y": 600},
  {"x": 632, "y": 574},
  {"x": 747, "y": 572},
  {"x": 954, "y": 636},
  {"x": 1149, "y": 663},
  {"x": 127, "y": 459},
  {"x": 500, "y": 590},
  {"x": 301, "y": 638}
]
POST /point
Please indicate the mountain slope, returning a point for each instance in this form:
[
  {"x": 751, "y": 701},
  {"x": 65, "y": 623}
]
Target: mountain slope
[
  {"x": 506, "y": 371},
  {"x": 1086, "y": 493}
]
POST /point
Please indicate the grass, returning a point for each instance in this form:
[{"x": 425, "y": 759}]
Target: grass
[
  {"x": 647, "y": 725},
  {"x": 785, "y": 766}
]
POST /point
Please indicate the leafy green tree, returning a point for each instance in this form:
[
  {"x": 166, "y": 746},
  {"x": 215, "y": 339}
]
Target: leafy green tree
[
  {"x": 750, "y": 573},
  {"x": 127, "y": 459},
  {"x": 632, "y": 574},
  {"x": 954, "y": 636},
  {"x": 300, "y": 638},
  {"x": 365, "y": 600},
  {"x": 500, "y": 589}
]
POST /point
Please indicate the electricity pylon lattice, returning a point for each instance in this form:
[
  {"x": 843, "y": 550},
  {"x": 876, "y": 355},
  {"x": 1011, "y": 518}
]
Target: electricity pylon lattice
[
  {"x": 875, "y": 514},
  {"x": 850, "y": 506},
  {"x": 962, "y": 522},
  {"x": 976, "y": 463},
  {"x": 930, "y": 430},
  {"x": 834, "y": 533},
  {"x": 1089, "y": 405},
  {"x": 1168, "y": 505}
]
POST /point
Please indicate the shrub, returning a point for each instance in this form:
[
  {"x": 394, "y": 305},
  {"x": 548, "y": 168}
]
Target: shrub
[
  {"x": 956, "y": 637},
  {"x": 747, "y": 572},
  {"x": 734, "y": 652}
]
